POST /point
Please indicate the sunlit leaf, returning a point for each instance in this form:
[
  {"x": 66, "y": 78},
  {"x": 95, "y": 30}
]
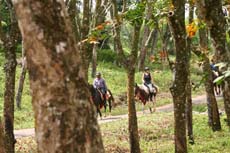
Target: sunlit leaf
[
  {"x": 226, "y": 74},
  {"x": 221, "y": 65},
  {"x": 219, "y": 80},
  {"x": 3, "y": 23}
]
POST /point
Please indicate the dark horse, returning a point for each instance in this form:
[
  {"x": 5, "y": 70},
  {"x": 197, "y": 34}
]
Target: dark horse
[
  {"x": 98, "y": 100},
  {"x": 142, "y": 93}
]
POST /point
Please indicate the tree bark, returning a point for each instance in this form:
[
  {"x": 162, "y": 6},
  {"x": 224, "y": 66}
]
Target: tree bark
[
  {"x": 213, "y": 112},
  {"x": 211, "y": 12},
  {"x": 188, "y": 86},
  {"x": 146, "y": 34},
  {"x": 133, "y": 126},
  {"x": 10, "y": 40},
  {"x": 129, "y": 63},
  {"x": 21, "y": 80},
  {"x": 21, "y": 85},
  {"x": 154, "y": 40},
  {"x": 86, "y": 48},
  {"x": 99, "y": 18},
  {"x": 65, "y": 120},
  {"x": 94, "y": 61},
  {"x": 72, "y": 11},
  {"x": 2, "y": 143},
  {"x": 178, "y": 89}
]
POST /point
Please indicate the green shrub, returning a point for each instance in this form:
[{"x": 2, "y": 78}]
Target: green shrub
[{"x": 107, "y": 55}]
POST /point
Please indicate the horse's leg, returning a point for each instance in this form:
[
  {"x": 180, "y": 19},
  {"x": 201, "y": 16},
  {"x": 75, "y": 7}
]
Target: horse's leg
[
  {"x": 143, "y": 106},
  {"x": 99, "y": 111},
  {"x": 105, "y": 107},
  {"x": 154, "y": 103},
  {"x": 150, "y": 100},
  {"x": 110, "y": 106},
  {"x": 150, "y": 109}
]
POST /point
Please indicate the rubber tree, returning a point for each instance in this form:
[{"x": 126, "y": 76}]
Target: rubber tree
[
  {"x": 147, "y": 34},
  {"x": 98, "y": 20},
  {"x": 10, "y": 39},
  {"x": 129, "y": 62},
  {"x": 178, "y": 89},
  {"x": 212, "y": 14},
  {"x": 2, "y": 143},
  {"x": 203, "y": 52},
  {"x": 188, "y": 86},
  {"x": 21, "y": 80},
  {"x": 65, "y": 119}
]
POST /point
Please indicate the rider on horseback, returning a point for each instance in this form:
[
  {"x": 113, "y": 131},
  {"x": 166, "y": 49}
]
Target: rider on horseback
[
  {"x": 147, "y": 80},
  {"x": 100, "y": 85}
]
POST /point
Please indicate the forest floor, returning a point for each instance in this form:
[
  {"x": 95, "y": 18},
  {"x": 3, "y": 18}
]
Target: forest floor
[{"x": 166, "y": 108}]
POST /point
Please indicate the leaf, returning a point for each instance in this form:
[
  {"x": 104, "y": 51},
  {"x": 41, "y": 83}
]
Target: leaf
[
  {"x": 4, "y": 24},
  {"x": 221, "y": 65},
  {"x": 219, "y": 80},
  {"x": 226, "y": 74}
]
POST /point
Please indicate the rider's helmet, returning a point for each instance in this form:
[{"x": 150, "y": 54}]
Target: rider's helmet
[
  {"x": 98, "y": 74},
  {"x": 146, "y": 68}
]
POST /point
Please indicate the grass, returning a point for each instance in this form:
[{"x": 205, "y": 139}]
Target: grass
[
  {"x": 156, "y": 133},
  {"x": 116, "y": 79}
]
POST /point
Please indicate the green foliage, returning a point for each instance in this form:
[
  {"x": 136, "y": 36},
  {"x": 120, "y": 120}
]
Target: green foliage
[
  {"x": 107, "y": 55},
  {"x": 225, "y": 75},
  {"x": 135, "y": 13}
]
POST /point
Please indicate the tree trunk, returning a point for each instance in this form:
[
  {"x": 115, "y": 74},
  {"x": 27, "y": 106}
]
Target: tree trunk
[
  {"x": 129, "y": 63},
  {"x": 65, "y": 120},
  {"x": 72, "y": 11},
  {"x": 213, "y": 112},
  {"x": 188, "y": 86},
  {"x": 94, "y": 61},
  {"x": 99, "y": 18},
  {"x": 211, "y": 12},
  {"x": 154, "y": 40},
  {"x": 10, "y": 40},
  {"x": 133, "y": 127},
  {"x": 2, "y": 143},
  {"x": 21, "y": 85},
  {"x": 10, "y": 70},
  {"x": 86, "y": 48},
  {"x": 147, "y": 33},
  {"x": 21, "y": 80},
  {"x": 178, "y": 89}
]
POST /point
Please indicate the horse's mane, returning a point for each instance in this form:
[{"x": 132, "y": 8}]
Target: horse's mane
[{"x": 141, "y": 90}]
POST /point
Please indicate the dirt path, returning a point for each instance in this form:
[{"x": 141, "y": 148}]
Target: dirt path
[{"x": 166, "y": 108}]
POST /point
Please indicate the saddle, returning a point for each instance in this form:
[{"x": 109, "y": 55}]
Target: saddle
[{"x": 150, "y": 89}]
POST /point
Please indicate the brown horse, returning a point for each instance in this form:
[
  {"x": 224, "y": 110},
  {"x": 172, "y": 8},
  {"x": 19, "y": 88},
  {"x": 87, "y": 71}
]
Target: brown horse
[
  {"x": 142, "y": 93},
  {"x": 98, "y": 100}
]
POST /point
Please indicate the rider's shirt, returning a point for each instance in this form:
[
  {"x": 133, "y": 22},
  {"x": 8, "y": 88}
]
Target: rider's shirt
[
  {"x": 100, "y": 84},
  {"x": 147, "y": 78}
]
